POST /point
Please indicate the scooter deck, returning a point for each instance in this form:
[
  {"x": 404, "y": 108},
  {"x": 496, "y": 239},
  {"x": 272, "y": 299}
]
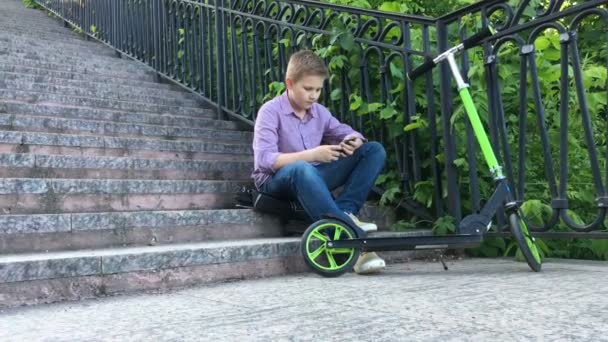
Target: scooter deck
[{"x": 396, "y": 241}]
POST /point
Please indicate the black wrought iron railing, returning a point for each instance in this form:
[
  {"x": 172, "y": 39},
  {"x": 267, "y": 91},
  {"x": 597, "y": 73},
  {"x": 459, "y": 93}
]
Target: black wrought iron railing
[
  {"x": 233, "y": 54},
  {"x": 552, "y": 134}
]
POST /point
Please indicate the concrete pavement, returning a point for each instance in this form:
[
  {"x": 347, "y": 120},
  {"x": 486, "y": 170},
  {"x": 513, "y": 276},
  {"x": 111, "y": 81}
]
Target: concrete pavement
[{"x": 476, "y": 300}]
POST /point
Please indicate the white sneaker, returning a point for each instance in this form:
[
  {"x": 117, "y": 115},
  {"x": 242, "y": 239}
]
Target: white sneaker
[
  {"x": 369, "y": 263},
  {"x": 365, "y": 226}
]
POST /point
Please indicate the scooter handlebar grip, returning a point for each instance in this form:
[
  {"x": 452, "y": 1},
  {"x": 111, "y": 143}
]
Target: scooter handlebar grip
[
  {"x": 478, "y": 37},
  {"x": 423, "y": 69}
]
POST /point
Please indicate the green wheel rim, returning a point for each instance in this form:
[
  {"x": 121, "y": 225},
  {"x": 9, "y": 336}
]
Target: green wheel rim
[
  {"x": 530, "y": 241},
  {"x": 316, "y": 246}
]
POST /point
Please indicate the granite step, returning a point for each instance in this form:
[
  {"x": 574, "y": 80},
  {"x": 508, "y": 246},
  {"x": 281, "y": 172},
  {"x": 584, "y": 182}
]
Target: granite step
[
  {"x": 105, "y": 92},
  {"x": 106, "y": 58},
  {"x": 65, "y": 44},
  {"x": 145, "y": 75},
  {"x": 28, "y": 16},
  {"x": 131, "y": 106},
  {"x": 55, "y": 195},
  {"x": 39, "y": 39},
  {"x": 53, "y": 30},
  {"x": 74, "y": 275},
  {"x": 206, "y": 119},
  {"x": 16, "y": 46},
  {"x": 43, "y": 28},
  {"x": 72, "y": 144},
  {"x": 25, "y": 165},
  {"x": 60, "y": 63},
  {"x": 49, "y": 124},
  {"x": 147, "y": 81},
  {"x": 116, "y": 86},
  {"x": 56, "y": 232}
]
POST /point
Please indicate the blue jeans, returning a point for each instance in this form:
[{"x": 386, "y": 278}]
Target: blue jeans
[{"x": 311, "y": 185}]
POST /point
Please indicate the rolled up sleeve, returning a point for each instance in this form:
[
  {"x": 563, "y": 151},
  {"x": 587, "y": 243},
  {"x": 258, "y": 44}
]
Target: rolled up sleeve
[{"x": 266, "y": 140}]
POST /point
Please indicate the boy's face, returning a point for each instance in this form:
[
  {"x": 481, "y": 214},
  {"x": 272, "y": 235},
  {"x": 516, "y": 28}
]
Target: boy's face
[{"x": 304, "y": 92}]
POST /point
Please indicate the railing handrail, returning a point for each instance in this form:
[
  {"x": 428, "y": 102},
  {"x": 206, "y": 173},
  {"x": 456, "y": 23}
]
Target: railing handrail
[
  {"x": 388, "y": 15},
  {"x": 454, "y": 15}
]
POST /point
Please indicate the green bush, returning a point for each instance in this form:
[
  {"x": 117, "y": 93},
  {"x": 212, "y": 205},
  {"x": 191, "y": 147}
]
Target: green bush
[{"x": 31, "y": 4}]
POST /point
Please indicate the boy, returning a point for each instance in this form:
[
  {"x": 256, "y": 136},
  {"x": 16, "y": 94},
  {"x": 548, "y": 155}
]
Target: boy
[{"x": 302, "y": 152}]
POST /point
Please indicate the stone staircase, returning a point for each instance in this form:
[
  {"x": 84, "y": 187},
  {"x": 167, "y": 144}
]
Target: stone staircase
[{"x": 110, "y": 182}]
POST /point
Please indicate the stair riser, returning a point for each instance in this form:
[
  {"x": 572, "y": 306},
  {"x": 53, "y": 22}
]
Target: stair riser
[
  {"x": 95, "y": 65},
  {"x": 116, "y": 87},
  {"x": 205, "y": 119},
  {"x": 108, "y": 93},
  {"x": 116, "y": 163},
  {"x": 140, "y": 236},
  {"x": 34, "y": 138},
  {"x": 76, "y": 203},
  {"x": 69, "y": 48},
  {"x": 141, "y": 260},
  {"x": 123, "y": 174},
  {"x": 93, "y": 72},
  {"x": 119, "y": 152},
  {"x": 78, "y": 288},
  {"x": 55, "y": 51},
  {"x": 35, "y": 20},
  {"x": 103, "y": 91},
  {"x": 65, "y": 126},
  {"x": 43, "y": 98},
  {"x": 32, "y": 233},
  {"x": 48, "y": 33},
  {"x": 71, "y": 55},
  {"x": 84, "y": 186},
  {"x": 37, "y": 69}
]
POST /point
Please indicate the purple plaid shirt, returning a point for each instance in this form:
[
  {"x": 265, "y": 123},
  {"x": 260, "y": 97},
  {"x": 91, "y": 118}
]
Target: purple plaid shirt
[{"x": 279, "y": 130}]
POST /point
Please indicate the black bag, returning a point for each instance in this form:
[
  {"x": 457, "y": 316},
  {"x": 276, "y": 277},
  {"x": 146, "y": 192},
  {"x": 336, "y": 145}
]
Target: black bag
[{"x": 250, "y": 197}]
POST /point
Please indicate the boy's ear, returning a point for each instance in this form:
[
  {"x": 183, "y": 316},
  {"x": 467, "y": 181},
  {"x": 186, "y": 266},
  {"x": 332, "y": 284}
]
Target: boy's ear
[{"x": 289, "y": 83}]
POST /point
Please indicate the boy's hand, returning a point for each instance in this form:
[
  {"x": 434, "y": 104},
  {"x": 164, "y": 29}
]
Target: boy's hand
[
  {"x": 326, "y": 153},
  {"x": 349, "y": 146}
]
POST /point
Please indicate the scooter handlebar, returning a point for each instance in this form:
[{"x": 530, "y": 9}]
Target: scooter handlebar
[{"x": 467, "y": 44}]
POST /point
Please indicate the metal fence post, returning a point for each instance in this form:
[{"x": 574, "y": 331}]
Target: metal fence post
[
  {"x": 219, "y": 42},
  {"x": 453, "y": 203}
]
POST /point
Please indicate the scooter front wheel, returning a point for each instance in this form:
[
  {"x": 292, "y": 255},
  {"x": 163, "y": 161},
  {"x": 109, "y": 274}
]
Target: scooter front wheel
[
  {"x": 325, "y": 261},
  {"x": 525, "y": 242}
]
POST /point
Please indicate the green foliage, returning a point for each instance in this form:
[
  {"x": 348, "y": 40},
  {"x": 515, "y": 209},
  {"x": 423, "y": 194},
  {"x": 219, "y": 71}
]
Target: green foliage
[
  {"x": 444, "y": 225},
  {"x": 275, "y": 89},
  {"x": 31, "y": 4}
]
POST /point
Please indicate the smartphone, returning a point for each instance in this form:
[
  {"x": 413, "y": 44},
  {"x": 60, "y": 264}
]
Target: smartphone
[
  {"x": 346, "y": 142},
  {"x": 349, "y": 140}
]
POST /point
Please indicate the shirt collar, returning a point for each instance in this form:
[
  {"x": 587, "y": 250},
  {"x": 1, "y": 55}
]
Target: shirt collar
[{"x": 287, "y": 109}]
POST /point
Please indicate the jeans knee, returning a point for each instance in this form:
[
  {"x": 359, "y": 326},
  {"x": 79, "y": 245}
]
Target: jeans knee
[{"x": 374, "y": 148}]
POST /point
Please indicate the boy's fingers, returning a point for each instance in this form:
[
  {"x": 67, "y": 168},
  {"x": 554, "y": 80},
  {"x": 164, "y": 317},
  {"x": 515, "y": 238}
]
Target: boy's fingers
[{"x": 348, "y": 147}]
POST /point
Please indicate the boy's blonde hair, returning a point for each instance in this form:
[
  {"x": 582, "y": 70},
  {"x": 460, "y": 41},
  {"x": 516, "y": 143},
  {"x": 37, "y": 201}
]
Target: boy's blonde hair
[{"x": 305, "y": 63}]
